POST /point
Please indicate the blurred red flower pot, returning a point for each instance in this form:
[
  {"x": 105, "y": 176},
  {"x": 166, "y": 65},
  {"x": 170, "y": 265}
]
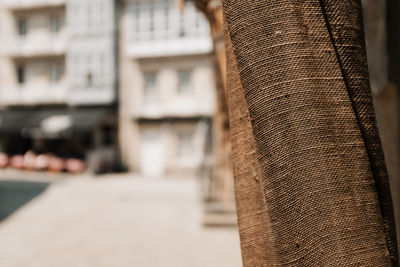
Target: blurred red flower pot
[
  {"x": 30, "y": 160},
  {"x": 17, "y": 162},
  {"x": 75, "y": 166},
  {"x": 42, "y": 162},
  {"x": 56, "y": 164},
  {"x": 4, "y": 160}
]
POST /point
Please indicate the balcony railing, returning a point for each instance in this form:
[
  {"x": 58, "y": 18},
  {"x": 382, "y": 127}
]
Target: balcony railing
[
  {"x": 32, "y": 47},
  {"x": 169, "y": 47},
  {"x": 177, "y": 108},
  {"x": 27, "y": 4},
  {"x": 35, "y": 95},
  {"x": 92, "y": 96}
]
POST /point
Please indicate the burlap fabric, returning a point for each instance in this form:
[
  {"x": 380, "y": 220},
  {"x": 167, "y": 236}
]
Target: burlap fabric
[
  {"x": 255, "y": 227},
  {"x": 311, "y": 183}
]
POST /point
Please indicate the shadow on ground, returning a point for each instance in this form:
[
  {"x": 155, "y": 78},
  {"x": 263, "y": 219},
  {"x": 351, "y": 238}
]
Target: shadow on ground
[{"x": 15, "y": 194}]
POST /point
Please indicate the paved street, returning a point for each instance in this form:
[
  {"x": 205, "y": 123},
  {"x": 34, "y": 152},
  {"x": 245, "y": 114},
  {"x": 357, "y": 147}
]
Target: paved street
[{"x": 114, "y": 221}]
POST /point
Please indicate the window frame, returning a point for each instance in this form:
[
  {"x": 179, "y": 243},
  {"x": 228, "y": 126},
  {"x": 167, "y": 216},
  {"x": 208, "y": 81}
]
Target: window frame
[
  {"x": 56, "y": 76},
  {"x": 21, "y": 74},
  {"x": 187, "y": 89},
  {"x": 22, "y": 25},
  {"x": 55, "y": 24},
  {"x": 185, "y": 144},
  {"x": 150, "y": 96}
]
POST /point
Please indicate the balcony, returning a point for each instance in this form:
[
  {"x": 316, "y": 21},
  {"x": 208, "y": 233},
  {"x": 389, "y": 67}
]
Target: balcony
[
  {"x": 176, "y": 108},
  {"x": 92, "y": 96},
  {"x": 29, "y": 4},
  {"x": 35, "y": 95},
  {"x": 36, "y": 47},
  {"x": 159, "y": 29},
  {"x": 100, "y": 91},
  {"x": 172, "y": 47}
]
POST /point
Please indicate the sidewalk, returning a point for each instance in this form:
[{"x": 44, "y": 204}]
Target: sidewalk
[
  {"x": 10, "y": 174},
  {"x": 116, "y": 221}
]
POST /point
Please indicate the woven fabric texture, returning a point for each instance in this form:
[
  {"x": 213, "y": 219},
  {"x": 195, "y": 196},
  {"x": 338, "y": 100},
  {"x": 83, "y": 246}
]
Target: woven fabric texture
[
  {"x": 254, "y": 225},
  {"x": 298, "y": 68}
]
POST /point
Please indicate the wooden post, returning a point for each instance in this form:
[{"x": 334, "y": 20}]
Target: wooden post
[{"x": 222, "y": 197}]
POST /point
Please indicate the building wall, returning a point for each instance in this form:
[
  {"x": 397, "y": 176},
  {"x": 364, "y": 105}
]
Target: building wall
[
  {"x": 157, "y": 28},
  {"x": 91, "y": 56},
  {"x": 171, "y": 147},
  {"x": 37, "y": 56},
  {"x": 155, "y": 39},
  {"x": 5, "y": 70},
  {"x": 73, "y": 40},
  {"x": 30, "y": 4},
  {"x": 62, "y": 53},
  {"x": 42, "y": 83},
  {"x": 46, "y": 32},
  {"x": 128, "y": 133},
  {"x": 165, "y": 109},
  {"x": 168, "y": 99},
  {"x": 167, "y": 89}
]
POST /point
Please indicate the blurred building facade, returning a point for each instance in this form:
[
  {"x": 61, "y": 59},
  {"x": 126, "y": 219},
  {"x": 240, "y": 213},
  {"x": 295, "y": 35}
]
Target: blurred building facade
[
  {"x": 68, "y": 67},
  {"x": 58, "y": 77},
  {"x": 167, "y": 87}
]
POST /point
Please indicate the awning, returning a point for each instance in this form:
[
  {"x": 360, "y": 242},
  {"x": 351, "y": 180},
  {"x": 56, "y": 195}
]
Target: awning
[{"x": 50, "y": 122}]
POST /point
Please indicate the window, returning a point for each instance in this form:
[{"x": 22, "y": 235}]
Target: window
[
  {"x": 134, "y": 22},
  {"x": 55, "y": 73},
  {"x": 89, "y": 16},
  {"x": 89, "y": 79},
  {"x": 182, "y": 31},
  {"x": 155, "y": 20},
  {"x": 21, "y": 74},
  {"x": 145, "y": 23},
  {"x": 185, "y": 144},
  {"x": 150, "y": 87},
  {"x": 102, "y": 70},
  {"x": 22, "y": 27},
  {"x": 151, "y": 20},
  {"x": 89, "y": 74},
  {"x": 101, "y": 14},
  {"x": 184, "y": 84},
  {"x": 77, "y": 19},
  {"x": 55, "y": 24}
]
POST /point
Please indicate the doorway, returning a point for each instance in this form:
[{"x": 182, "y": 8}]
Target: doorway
[{"x": 152, "y": 154}]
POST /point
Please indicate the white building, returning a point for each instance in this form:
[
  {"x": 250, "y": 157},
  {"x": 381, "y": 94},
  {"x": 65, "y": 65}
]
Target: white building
[
  {"x": 33, "y": 49},
  {"x": 92, "y": 51},
  {"x": 166, "y": 87},
  {"x": 58, "y": 60}
]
